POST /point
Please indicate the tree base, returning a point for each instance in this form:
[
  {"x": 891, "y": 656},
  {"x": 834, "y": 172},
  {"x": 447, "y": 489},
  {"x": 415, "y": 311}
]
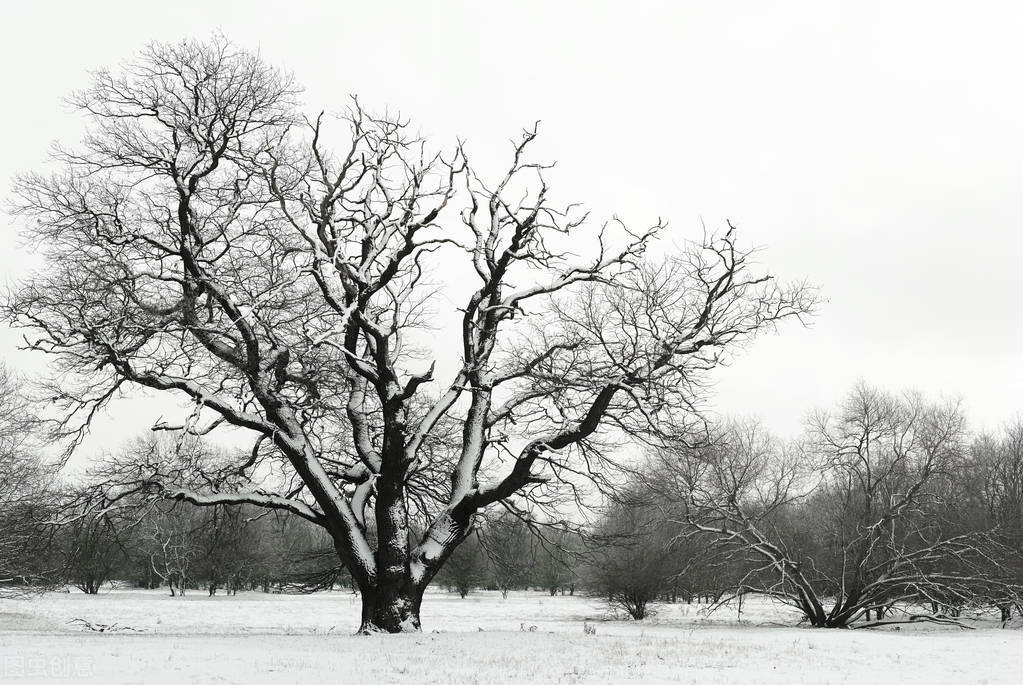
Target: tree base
[
  {"x": 392, "y": 615},
  {"x": 408, "y": 626}
]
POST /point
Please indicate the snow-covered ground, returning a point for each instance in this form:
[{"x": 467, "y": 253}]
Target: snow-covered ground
[{"x": 266, "y": 638}]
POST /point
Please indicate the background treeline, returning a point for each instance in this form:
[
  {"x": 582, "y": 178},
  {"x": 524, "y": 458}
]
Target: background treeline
[
  {"x": 183, "y": 548},
  {"x": 226, "y": 549}
]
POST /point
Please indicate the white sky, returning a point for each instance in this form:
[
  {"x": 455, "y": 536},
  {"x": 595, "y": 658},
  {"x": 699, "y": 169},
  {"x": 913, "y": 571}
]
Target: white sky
[{"x": 874, "y": 148}]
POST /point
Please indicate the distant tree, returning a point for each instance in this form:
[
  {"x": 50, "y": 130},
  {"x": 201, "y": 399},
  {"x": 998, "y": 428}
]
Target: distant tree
[
  {"x": 226, "y": 549},
  {"x": 704, "y": 573},
  {"x": 466, "y": 570},
  {"x": 27, "y": 496},
  {"x": 170, "y": 538},
  {"x": 555, "y": 560},
  {"x": 205, "y": 241},
  {"x": 92, "y": 551},
  {"x": 990, "y": 490},
  {"x": 630, "y": 560},
  {"x": 508, "y": 543},
  {"x": 296, "y": 557}
]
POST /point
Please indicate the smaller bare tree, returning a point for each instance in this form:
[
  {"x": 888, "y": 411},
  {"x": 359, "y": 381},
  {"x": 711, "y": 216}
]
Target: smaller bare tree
[
  {"x": 507, "y": 541},
  {"x": 26, "y": 497},
  {"x": 853, "y": 521},
  {"x": 92, "y": 551},
  {"x": 991, "y": 491},
  {"x": 466, "y": 570},
  {"x": 172, "y": 547},
  {"x": 556, "y": 559},
  {"x": 630, "y": 561},
  {"x": 226, "y": 548}
]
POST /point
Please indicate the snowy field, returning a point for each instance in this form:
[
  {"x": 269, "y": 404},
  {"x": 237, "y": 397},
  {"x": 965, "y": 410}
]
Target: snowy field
[{"x": 266, "y": 638}]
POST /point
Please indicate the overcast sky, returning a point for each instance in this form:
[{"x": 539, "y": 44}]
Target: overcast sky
[{"x": 875, "y": 149}]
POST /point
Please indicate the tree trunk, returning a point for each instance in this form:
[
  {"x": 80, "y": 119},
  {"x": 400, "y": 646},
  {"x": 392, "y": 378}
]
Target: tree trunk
[
  {"x": 391, "y": 600},
  {"x": 391, "y": 610},
  {"x": 392, "y": 582}
]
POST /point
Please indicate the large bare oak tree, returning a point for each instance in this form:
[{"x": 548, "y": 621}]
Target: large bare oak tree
[{"x": 205, "y": 240}]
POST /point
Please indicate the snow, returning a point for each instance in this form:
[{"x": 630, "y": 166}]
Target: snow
[{"x": 266, "y": 638}]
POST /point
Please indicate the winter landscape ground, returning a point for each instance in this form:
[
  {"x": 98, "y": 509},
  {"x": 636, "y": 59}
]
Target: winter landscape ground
[{"x": 528, "y": 637}]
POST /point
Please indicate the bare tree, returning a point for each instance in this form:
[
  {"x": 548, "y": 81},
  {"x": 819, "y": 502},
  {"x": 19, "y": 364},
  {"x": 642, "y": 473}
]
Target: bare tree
[
  {"x": 92, "y": 551},
  {"x": 857, "y": 520},
  {"x": 227, "y": 549},
  {"x": 556, "y": 560},
  {"x": 26, "y": 562},
  {"x": 294, "y": 556},
  {"x": 466, "y": 569},
  {"x": 631, "y": 562},
  {"x": 992, "y": 491},
  {"x": 171, "y": 543},
  {"x": 205, "y": 241},
  {"x": 507, "y": 541}
]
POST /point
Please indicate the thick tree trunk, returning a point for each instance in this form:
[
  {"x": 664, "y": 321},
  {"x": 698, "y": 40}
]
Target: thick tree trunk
[
  {"x": 391, "y": 610},
  {"x": 392, "y": 581},
  {"x": 392, "y": 598}
]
